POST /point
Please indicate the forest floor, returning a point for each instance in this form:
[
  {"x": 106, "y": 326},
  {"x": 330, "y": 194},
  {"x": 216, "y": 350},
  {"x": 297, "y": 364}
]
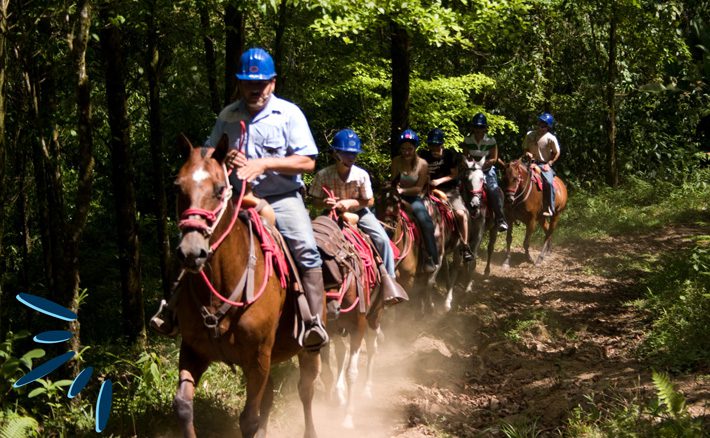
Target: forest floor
[{"x": 526, "y": 347}]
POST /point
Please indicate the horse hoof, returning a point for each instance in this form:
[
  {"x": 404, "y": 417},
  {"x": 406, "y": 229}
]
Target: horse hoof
[
  {"x": 447, "y": 306},
  {"x": 506, "y": 266},
  {"x": 367, "y": 392},
  {"x": 348, "y": 422}
]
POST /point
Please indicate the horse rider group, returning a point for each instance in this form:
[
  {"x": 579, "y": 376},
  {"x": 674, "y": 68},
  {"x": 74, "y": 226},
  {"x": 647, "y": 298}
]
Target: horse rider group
[{"x": 279, "y": 147}]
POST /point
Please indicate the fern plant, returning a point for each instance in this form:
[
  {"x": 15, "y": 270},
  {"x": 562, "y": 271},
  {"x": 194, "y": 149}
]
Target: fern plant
[
  {"x": 14, "y": 425},
  {"x": 673, "y": 401}
]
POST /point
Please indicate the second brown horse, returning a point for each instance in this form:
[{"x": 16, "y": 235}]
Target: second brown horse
[{"x": 524, "y": 203}]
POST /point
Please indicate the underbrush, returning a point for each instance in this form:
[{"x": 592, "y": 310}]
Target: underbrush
[
  {"x": 677, "y": 295},
  {"x": 615, "y": 414},
  {"x": 637, "y": 206}
]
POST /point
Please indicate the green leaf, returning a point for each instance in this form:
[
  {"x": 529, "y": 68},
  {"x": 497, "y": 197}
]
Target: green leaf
[{"x": 35, "y": 392}]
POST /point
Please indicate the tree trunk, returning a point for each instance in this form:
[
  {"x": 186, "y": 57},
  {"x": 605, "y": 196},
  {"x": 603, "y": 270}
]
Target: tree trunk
[
  {"x": 154, "y": 70},
  {"x": 3, "y": 155},
  {"x": 612, "y": 164},
  {"x": 210, "y": 59},
  {"x": 122, "y": 181},
  {"x": 41, "y": 87},
  {"x": 400, "y": 83},
  {"x": 234, "y": 46},
  {"x": 86, "y": 163},
  {"x": 278, "y": 44}
]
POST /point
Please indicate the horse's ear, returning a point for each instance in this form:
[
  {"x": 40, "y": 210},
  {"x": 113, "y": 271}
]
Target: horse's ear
[
  {"x": 220, "y": 151},
  {"x": 184, "y": 145}
]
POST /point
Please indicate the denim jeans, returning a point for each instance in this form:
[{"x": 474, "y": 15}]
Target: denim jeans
[
  {"x": 549, "y": 176},
  {"x": 371, "y": 226},
  {"x": 421, "y": 215},
  {"x": 491, "y": 181},
  {"x": 294, "y": 224}
]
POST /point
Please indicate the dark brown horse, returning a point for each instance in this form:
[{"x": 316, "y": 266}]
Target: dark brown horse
[
  {"x": 252, "y": 333},
  {"x": 524, "y": 203},
  {"x": 401, "y": 226}
]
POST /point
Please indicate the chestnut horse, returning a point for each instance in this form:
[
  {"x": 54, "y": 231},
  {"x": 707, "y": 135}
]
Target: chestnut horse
[
  {"x": 405, "y": 234},
  {"x": 524, "y": 203},
  {"x": 353, "y": 321},
  {"x": 215, "y": 250}
]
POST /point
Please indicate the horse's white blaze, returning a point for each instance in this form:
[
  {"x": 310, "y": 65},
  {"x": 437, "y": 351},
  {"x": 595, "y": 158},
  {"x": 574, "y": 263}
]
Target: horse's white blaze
[{"x": 200, "y": 175}]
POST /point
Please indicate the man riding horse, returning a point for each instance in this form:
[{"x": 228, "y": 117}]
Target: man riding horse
[
  {"x": 279, "y": 147},
  {"x": 480, "y": 141},
  {"x": 542, "y": 147}
]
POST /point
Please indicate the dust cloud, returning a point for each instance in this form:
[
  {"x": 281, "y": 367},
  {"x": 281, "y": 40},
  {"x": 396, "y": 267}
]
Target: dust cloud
[{"x": 408, "y": 363}]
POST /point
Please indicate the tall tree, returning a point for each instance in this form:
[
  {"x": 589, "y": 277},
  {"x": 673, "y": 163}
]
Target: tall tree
[
  {"x": 123, "y": 177},
  {"x": 210, "y": 59},
  {"x": 234, "y": 46},
  {"x": 154, "y": 71},
  {"x": 3, "y": 67},
  {"x": 86, "y": 159},
  {"x": 612, "y": 170},
  {"x": 399, "y": 58}
]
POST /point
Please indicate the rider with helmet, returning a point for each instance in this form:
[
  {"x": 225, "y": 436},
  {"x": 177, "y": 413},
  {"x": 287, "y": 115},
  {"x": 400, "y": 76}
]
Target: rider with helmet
[
  {"x": 412, "y": 174},
  {"x": 279, "y": 147},
  {"x": 443, "y": 175},
  {"x": 479, "y": 140},
  {"x": 542, "y": 147},
  {"x": 352, "y": 192}
]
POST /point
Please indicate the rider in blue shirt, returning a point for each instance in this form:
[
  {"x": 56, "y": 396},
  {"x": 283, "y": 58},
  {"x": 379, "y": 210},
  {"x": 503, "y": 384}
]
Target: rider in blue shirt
[{"x": 279, "y": 147}]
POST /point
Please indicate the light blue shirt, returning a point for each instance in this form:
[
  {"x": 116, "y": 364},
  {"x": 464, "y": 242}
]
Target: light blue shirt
[{"x": 280, "y": 130}]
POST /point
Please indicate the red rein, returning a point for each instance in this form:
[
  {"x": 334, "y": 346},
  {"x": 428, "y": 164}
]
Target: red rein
[{"x": 271, "y": 250}]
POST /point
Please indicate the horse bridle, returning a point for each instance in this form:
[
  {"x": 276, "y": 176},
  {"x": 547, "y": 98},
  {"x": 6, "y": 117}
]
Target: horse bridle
[
  {"x": 205, "y": 221},
  {"x": 525, "y": 193}
]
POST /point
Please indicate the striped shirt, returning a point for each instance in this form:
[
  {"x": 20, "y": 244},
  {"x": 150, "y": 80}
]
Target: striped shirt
[{"x": 357, "y": 185}]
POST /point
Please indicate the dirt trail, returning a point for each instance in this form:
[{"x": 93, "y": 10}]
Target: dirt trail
[{"x": 456, "y": 373}]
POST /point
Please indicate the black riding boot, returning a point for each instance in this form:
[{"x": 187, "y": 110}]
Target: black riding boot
[
  {"x": 315, "y": 335},
  {"x": 496, "y": 199}
]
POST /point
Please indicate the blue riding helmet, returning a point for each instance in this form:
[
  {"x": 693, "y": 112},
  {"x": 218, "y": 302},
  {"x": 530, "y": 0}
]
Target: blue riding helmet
[
  {"x": 408, "y": 136},
  {"x": 256, "y": 65},
  {"x": 479, "y": 121},
  {"x": 547, "y": 119},
  {"x": 435, "y": 137},
  {"x": 347, "y": 141}
]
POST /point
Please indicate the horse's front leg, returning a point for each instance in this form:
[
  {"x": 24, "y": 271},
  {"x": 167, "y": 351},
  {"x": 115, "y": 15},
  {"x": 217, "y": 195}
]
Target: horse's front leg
[
  {"x": 327, "y": 372},
  {"x": 256, "y": 373},
  {"x": 371, "y": 342},
  {"x": 191, "y": 369},
  {"x": 352, "y": 370},
  {"x": 508, "y": 241},
  {"x": 341, "y": 365},
  {"x": 493, "y": 236},
  {"x": 549, "y": 229},
  {"x": 309, "y": 367},
  {"x": 529, "y": 230},
  {"x": 451, "y": 278}
]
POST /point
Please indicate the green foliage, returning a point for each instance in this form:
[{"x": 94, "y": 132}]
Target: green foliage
[
  {"x": 678, "y": 298},
  {"x": 11, "y": 367},
  {"x": 624, "y": 415},
  {"x": 520, "y": 430},
  {"x": 14, "y": 425}
]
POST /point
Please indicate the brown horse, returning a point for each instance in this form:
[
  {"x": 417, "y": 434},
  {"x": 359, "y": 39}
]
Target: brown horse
[
  {"x": 215, "y": 251},
  {"x": 406, "y": 236},
  {"x": 524, "y": 203},
  {"x": 358, "y": 312}
]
